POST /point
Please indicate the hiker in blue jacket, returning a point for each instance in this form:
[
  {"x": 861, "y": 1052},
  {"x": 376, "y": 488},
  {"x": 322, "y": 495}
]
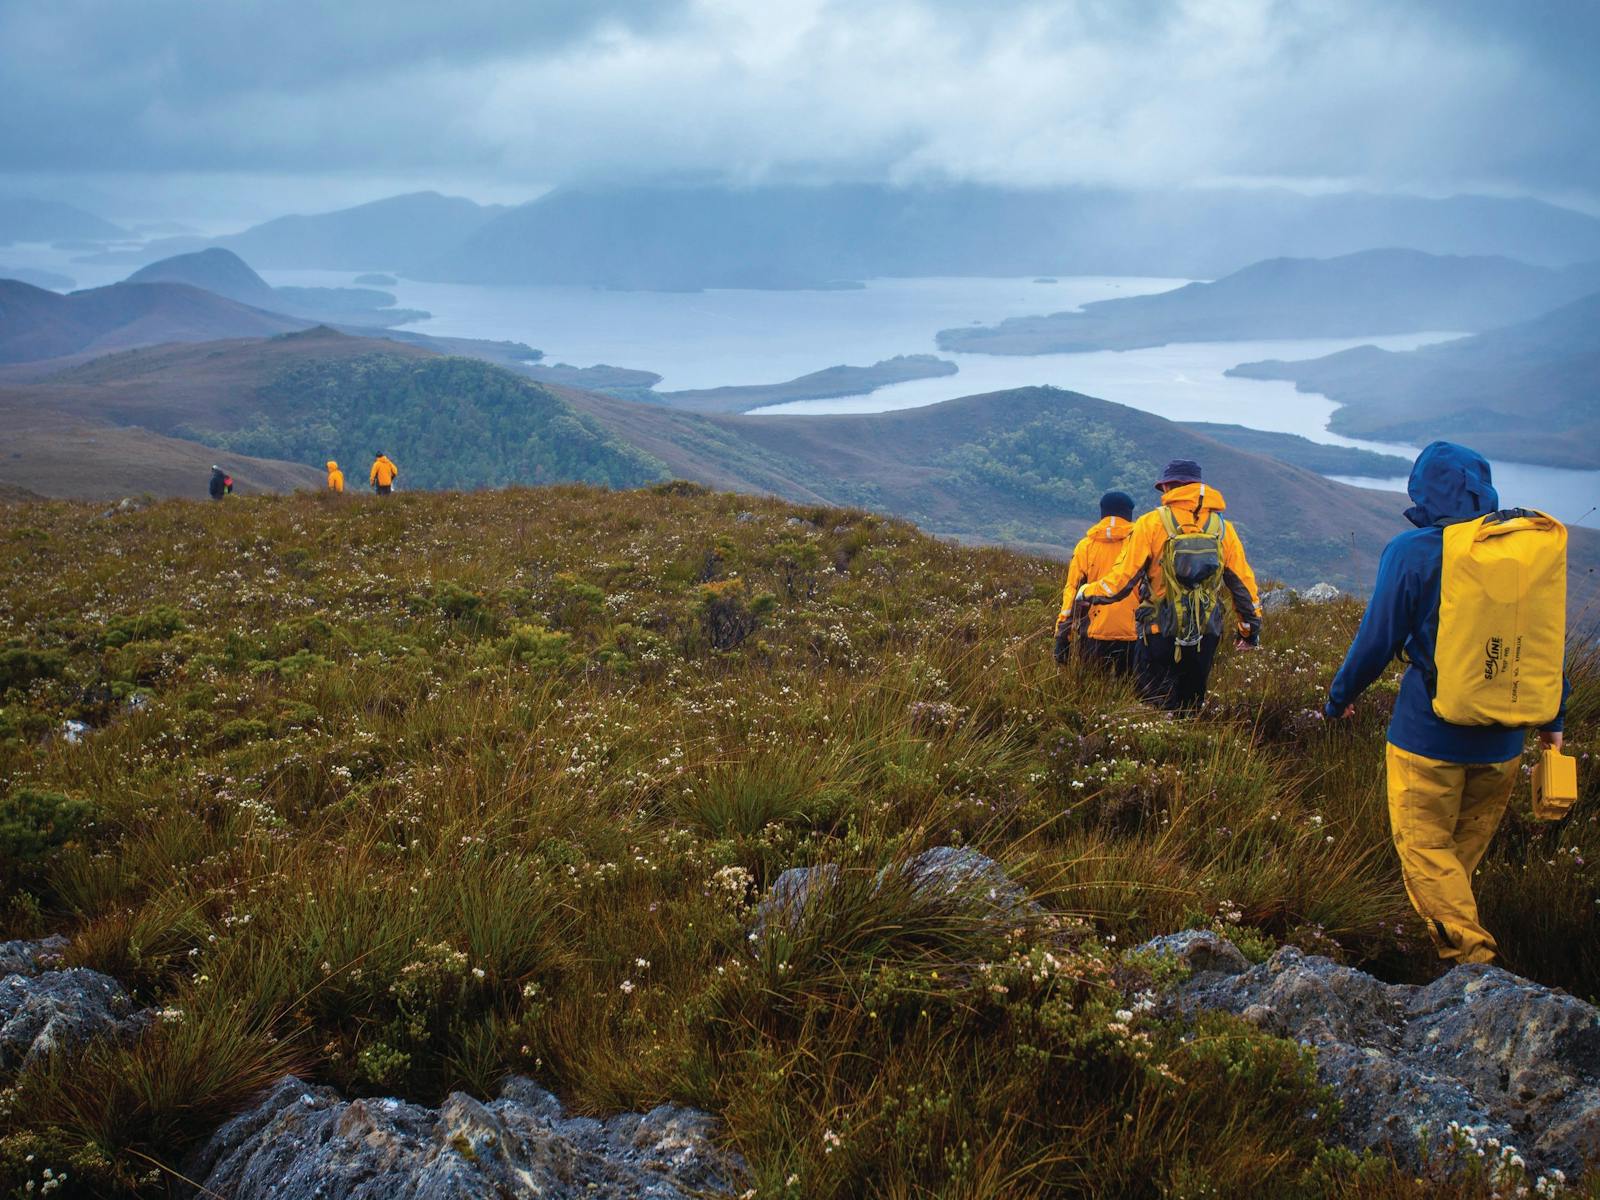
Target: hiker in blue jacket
[{"x": 1448, "y": 784}]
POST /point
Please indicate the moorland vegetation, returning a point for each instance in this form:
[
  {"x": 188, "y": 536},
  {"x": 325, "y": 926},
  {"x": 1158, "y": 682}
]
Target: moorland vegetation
[{"x": 407, "y": 796}]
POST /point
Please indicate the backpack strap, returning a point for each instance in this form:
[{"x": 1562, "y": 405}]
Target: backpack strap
[{"x": 1169, "y": 521}]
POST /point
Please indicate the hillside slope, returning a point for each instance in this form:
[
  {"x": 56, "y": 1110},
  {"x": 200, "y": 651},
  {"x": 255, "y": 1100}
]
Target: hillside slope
[
  {"x": 1533, "y": 388},
  {"x": 1024, "y": 467},
  {"x": 318, "y": 394},
  {"x": 1373, "y": 292},
  {"x": 49, "y": 454},
  {"x": 37, "y": 324},
  {"x": 418, "y": 794}
]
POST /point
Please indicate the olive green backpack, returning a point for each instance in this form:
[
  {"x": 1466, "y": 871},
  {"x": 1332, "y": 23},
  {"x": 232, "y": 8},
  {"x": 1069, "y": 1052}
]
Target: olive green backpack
[{"x": 1191, "y": 566}]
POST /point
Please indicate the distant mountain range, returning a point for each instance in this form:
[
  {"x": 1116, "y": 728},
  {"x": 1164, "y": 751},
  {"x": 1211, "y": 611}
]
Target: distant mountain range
[
  {"x": 25, "y": 219},
  {"x": 1369, "y": 293},
  {"x": 1529, "y": 392},
  {"x": 225, "y": 273},
  {"x": 39, "y": 324},
  {"x": 687, "y": 238}
]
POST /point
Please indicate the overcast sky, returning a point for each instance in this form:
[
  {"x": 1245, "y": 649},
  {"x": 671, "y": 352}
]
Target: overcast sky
[{"x": 274, "y": 104}]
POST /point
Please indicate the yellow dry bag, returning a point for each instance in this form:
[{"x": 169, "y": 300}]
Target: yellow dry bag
[{"x": 1502, "y": 620}]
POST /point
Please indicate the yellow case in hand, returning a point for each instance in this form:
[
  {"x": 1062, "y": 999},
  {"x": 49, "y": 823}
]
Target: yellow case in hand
[{"x": 1555, "y": 784}]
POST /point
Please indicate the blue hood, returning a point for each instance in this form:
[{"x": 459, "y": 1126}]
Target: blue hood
[{"x": 1450, "y": 483}]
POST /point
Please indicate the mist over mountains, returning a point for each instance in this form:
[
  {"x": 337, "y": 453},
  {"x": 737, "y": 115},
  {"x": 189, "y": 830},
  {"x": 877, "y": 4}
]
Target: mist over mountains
[
  {"x": 690, "y": 237},
  {"x": 683, "y": 238},
  {"x": 27, "y": 219}
]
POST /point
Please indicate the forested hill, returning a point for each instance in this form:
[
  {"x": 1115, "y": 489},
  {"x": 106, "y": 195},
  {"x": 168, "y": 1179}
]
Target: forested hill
[
  {"x": 308, "y": 397},
  {"x": 453, "y": 423}
]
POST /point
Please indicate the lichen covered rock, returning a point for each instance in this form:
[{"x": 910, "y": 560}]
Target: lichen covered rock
[
  {"x": 301, "y": 1142},
  {"x": 40, "y": 1013},
  {"x": 1480, "y": 1050}
]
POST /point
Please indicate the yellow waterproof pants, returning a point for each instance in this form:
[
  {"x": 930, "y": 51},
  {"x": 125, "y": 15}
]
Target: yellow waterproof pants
[{"x": 1442, "y": 815}]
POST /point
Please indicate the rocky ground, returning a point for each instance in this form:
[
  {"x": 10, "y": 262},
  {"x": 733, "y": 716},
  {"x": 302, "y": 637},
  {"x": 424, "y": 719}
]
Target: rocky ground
[
  {"x": 308, "y": 1143},
  {"x": 1480, "y": 1061}
]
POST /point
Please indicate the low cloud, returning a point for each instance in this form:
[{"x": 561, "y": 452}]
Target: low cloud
[{"x": 1445, "y": 96}]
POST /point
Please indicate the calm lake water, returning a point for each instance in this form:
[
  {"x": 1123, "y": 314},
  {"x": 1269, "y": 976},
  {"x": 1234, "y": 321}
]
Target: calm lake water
[{"x": 708, "y": 339}]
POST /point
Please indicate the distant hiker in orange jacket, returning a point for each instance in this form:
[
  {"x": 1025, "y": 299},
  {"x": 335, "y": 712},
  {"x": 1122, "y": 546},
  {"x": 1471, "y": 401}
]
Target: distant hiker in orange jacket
[
  {"x": 335, "y": 478},
  {"x": 1103, "y": 633},
  {"x": 383, "y": 474}
]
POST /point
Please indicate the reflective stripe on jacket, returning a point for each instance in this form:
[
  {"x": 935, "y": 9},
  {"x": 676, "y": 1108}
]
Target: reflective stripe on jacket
[{"x": 1094, "y": 556}]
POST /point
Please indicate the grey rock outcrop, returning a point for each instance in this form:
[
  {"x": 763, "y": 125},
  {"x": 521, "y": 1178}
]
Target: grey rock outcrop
[
  {"x": 1492, "y": 1052},
  {"x": 1280, "y": 598},
  {"x": 308, "y": 1143},
  {"x": 950, "y": 871},
  {"x": 29, "y": 958},
  {"x": 42, "y": 1012}
]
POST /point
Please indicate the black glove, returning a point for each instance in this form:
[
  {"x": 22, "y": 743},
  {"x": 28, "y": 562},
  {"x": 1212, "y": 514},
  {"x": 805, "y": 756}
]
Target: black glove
[{"x": 1063, "y": 647}]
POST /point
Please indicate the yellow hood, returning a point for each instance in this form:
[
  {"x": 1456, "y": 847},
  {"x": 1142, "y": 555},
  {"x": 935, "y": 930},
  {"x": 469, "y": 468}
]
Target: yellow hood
[
  {"x": 332, "y": 466},
  {"x": 1109, "y": 529},
  {"x": 1194, "y": 497}
]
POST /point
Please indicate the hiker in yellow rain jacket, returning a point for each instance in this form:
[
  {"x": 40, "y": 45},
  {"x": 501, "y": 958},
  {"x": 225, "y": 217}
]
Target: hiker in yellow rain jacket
[
  {"x": 383, "y": 474},
  {"x": 1104, "y": 633},
  {"x": 1448, "y": 784},
  {"x": 1177, "y": 642},
  {"x": 335, "y": 477}
]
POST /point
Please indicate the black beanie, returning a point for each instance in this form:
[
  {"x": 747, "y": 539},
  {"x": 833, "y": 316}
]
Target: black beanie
[{"x": 1117, "y": 504}]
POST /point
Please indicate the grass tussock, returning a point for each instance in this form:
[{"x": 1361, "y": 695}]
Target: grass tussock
[{"x": 410, "y": 796}]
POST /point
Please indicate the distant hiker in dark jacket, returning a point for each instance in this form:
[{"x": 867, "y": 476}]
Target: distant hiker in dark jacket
[{"x": 221, "y": 483}]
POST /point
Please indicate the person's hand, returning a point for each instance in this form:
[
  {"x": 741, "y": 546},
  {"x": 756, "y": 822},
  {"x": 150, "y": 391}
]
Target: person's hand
[
  {"x": 1083, "y": 593},
  {"x": 1063, "y": 647},
  {"x": 1550, "y": 739},
  {"x": 1334, "y": 713}
]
